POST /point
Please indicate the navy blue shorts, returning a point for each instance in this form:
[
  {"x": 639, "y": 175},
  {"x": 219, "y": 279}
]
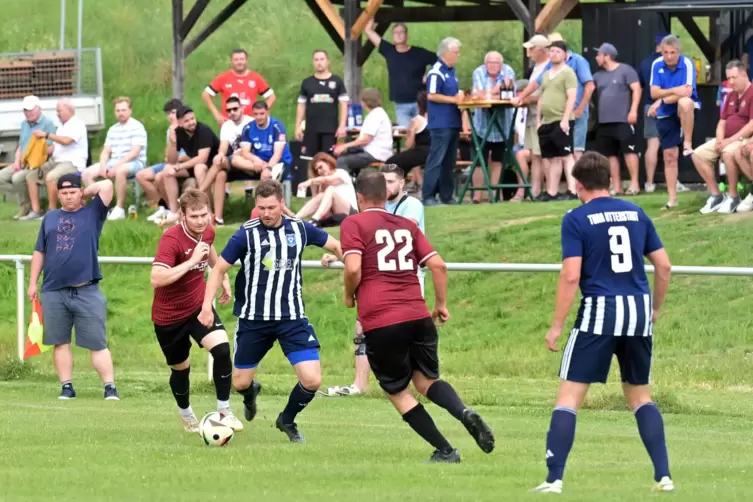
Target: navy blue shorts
[
  {"x": 253, "y": 339},
  {"x": 587, "y": 358},
  {"x": 670, "y": 132}
]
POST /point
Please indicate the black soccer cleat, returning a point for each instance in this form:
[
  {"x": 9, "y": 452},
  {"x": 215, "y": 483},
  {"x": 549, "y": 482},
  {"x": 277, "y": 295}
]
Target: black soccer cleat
[
  {"x": 249, "y": 400},
  {"x": 448, "y": 457},
  {"x": 479, "y": 430},
  {"x": 290, "y": 429}
]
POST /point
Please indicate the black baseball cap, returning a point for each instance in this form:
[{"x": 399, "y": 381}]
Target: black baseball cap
[
  {"x": 560, "y": 44},
  {"x": 69, "y": 181}
]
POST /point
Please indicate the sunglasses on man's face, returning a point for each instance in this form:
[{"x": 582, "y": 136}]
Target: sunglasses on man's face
[{"x": 233, "y": 109}]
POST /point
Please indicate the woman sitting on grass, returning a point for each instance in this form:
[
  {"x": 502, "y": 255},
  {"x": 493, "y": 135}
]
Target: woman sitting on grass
[{"x": 335, "y": 198}]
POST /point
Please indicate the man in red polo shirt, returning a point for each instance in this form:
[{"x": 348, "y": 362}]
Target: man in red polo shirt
[
  {"x": 239, "y": 81},
  {"x": 733, "y": 131}
]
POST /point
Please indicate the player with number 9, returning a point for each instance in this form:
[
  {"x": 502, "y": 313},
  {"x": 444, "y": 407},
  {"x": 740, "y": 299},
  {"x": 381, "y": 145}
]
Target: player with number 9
[
  {"x": 382, "y": 253},
  {"x": 604, "y": 242}
]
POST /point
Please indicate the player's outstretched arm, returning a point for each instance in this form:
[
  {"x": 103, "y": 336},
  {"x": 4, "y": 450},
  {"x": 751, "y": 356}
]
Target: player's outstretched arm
[
  {"x": 567, "y": 287},
  {"x": 440, "y": 279},
  {"x": 206, "y": 317},
  {"x": 662, "y": 270},
  {"x": 212, "y": 261},
  {"x": 333, "y": 246}
]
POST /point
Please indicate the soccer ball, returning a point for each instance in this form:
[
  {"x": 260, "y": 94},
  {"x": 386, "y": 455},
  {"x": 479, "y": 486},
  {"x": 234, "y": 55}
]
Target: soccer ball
[{"x": 214, "y": 431}]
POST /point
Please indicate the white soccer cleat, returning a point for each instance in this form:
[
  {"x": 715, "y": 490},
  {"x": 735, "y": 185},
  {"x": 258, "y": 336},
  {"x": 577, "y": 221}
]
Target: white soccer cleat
[
  {"x": 554, "y": 487},
  {"x": 350, "y": 390},
  {"x": 331, "y": 391},
  {"x": 190, "y": 423},
  {"x": 664, "y": 485},
  {"x": 229, "y": 419}
]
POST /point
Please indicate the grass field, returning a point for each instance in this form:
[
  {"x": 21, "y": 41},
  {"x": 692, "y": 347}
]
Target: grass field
[{"x": 492, "y": 350}]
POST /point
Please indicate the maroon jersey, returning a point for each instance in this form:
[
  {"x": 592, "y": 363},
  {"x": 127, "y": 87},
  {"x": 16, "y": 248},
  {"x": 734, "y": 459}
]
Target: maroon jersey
[
  {"x": 182, "y": 298},
  {"x": 392, "y": 249}
]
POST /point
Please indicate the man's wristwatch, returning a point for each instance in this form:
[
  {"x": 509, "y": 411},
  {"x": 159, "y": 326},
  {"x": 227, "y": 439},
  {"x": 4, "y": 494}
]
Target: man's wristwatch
[{"x": 46, "y": 135}]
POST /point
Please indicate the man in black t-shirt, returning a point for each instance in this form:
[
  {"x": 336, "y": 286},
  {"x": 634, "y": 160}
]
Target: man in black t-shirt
[
  {"x": 406, "y": 69},
  {"x": 200, "y": 145},
  {"x": 323, "y": 101}
]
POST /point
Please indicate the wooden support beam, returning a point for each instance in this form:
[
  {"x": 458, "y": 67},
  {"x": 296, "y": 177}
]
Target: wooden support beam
[
  {"x": 521, "y": 11},
  {"x": 353, "y": 73},
  {"x": 193, "y": 15},
  {"x": 698, "y": 36},
  {"x": 368, "y": 47},
  {"x": 324, "y": 21},
  {"x": 467, "y": 13},
  {"x": 332, "y": 16},
  {"x": 215, "y": 23},
  {"x": 553, "y": 13},
  {"x": 738, "y": 32},
  {"x": 368, "y": 13},
  {"x": 178, "y": 68}
]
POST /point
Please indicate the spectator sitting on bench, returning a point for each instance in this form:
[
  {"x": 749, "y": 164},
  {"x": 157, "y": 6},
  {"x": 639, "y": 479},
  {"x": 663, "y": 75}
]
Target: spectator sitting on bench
[
  {"x": 374, "y": 142},
  {"x": 417, "y": 142},
  {"x": 150, "y": 178},
  {"x": 336, "y": 198},
  {"x": 123, "y": 155},
  {"x": 228, "y": 153},
  {"x": 200, "y": 144}
]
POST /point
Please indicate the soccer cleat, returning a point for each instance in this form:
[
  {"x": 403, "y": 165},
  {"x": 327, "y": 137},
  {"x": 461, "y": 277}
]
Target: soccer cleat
[
  {"x": 554, "y": 487},
  {"x": 479, "y": 430},
  {"x": 111, "y": 393},
  {"x": 440, "y": 457},
  {"x": 229, "y": 419},
  {"x": 249, "y": 400},
  {"x": 664, "y": 485},
  {"x": 190, "y": 423},
  {"x": 67, "y": 392},
  {"x": 290, "y": 429},
  {"x": 351, "y": 390}
]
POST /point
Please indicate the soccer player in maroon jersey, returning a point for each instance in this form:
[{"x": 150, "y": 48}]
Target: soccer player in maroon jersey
[
  {"x": 382, "y": 253},
  {"x": 183, "y": 253}
]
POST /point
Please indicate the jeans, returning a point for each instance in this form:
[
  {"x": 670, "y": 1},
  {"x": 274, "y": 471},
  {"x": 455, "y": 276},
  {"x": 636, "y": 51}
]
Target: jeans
[
  {"x": 404, "y": 112},
  {"x": 439, "y": 171}
]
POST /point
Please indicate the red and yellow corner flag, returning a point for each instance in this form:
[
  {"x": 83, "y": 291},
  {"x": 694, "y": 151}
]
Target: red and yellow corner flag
[{"x": 34, "y": 345}]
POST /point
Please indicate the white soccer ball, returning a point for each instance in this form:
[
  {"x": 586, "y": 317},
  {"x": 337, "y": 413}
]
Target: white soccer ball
[{"x": 214, "y": 431}]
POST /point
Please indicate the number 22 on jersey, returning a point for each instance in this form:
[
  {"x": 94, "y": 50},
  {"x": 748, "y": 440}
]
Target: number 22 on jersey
[
  {"x": 404, "y": 240},
  {"x": 619, "y": 245}
]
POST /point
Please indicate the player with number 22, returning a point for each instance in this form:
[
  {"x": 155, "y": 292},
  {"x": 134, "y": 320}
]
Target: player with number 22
[{"x": 382, "y": 253}]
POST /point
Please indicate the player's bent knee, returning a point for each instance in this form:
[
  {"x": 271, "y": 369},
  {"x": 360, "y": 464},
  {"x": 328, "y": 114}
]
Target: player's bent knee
[
  {"x": 211, "y": 340},
  {"x": 242, "y": 378},
  {"x": 221, "y": 351},
  {"x": 181, "y": 366},
  {"x": 422, "y": 383}
]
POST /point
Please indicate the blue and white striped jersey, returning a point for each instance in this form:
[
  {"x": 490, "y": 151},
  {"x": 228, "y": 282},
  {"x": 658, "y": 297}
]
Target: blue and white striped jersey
[
  {"x": 612, "y": 236},
  {"x": 268, "y": 285}
]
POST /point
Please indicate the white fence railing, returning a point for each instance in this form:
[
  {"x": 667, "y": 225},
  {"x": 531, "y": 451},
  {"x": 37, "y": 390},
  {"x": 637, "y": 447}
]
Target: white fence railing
[{"x": 21, "y": 260}]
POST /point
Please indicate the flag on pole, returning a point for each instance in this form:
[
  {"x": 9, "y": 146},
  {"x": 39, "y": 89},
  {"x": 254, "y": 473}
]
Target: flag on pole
[{"x": 34, "y": 345}]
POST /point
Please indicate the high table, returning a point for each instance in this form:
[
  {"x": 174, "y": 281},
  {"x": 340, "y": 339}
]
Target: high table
[{"x": 496, "y": 108}]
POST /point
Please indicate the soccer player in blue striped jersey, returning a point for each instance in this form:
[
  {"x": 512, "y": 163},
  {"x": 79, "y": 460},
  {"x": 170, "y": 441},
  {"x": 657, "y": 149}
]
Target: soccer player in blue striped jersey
[
  {"x": 268, "y": 301},
  {"x": 604, "y": 242}
]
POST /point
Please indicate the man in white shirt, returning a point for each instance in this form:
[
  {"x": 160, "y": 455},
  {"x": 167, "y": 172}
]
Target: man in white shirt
[
  {"x": 374, "y": 143},
  {"x": 230, "y": 145},
  {"x": 69, "y": 155},
  {"x": 123, "y": 155},
  {"x": 401, "y": 204}
]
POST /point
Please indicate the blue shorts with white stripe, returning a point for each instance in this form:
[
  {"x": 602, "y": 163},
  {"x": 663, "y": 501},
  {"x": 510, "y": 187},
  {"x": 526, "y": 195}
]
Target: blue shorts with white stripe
[{"x": 606, "y": 326}]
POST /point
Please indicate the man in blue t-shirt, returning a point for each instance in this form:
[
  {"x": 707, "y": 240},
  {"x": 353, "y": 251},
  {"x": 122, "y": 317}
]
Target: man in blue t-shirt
[
  {"x": 443, "y": 94},
  {"x": 649, "y": 123},
  {"x": 673, "y": 88},
  {"x": 604, "y": 243},
  {"x": 264, "y": 146},
  {"x": 66, "y": 250},
  {"x": 269, "y": 303}
]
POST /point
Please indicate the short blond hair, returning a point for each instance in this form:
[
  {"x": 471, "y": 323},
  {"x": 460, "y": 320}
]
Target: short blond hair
[{"x": 123, "y": 99}]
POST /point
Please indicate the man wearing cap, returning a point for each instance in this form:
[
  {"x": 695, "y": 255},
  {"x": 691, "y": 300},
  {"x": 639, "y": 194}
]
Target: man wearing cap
[
  {"x": 651, "y": 135},
  {"x": 70, "y": 155},
  {"x": 554, "y": 118},
  {"x": 537, "y": 50},
  {"x": 66, "y": 251},
  {"x": 673, "y": 88},
  {"x": 585, "y": 89},
  {"x": 13, "y": 177},
  {"x": 619, "y": 94}
]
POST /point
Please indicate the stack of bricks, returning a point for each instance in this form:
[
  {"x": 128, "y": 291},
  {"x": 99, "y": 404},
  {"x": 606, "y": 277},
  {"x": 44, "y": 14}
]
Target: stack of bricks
[{"x": 44, "y": 75}]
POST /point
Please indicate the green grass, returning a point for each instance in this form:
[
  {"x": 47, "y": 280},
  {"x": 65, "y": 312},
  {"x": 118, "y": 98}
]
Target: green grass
[{"x": 492, "y": 350}]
